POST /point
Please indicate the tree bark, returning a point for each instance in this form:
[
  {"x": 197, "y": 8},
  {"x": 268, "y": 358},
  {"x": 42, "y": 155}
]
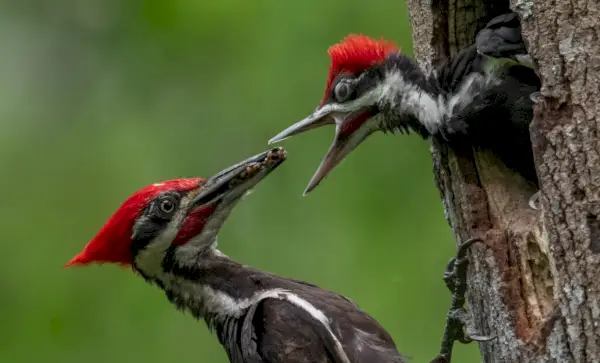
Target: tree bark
[{"x": 535, "y": 282}]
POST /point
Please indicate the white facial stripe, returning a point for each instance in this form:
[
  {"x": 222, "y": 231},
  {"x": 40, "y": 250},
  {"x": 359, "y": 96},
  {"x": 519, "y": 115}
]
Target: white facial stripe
[
  {"x": 429, "y": 110},
  {"x": 395, "y": 91},
  {"x": 150, "y": 258},
  {"x": 336, "y": 107}
]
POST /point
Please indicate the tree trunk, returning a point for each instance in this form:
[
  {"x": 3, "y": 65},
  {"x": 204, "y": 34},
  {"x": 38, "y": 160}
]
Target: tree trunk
[{"x": 535, "y": 282}]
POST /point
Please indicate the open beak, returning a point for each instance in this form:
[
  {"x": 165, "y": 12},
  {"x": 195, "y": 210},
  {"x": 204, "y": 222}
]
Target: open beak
[
  {"x": 230, "y": 184},
  {"x": 351, "y": 128}
]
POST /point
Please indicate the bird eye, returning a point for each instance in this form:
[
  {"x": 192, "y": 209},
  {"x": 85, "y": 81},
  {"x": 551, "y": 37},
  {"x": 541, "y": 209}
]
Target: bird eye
[
  {"x": 167, "y": 205},
  {"x": 342, "y": 91}
]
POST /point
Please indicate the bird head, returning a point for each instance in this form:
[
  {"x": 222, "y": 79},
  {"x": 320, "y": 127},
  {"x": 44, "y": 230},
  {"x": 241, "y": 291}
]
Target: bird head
[
  {"x": 180, "y": 215},
  {"x": 356, "y": 87}
]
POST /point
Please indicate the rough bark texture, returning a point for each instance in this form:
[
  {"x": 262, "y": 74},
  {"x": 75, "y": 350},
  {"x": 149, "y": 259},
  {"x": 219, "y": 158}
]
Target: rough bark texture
[{"x": 535, "y": 284}]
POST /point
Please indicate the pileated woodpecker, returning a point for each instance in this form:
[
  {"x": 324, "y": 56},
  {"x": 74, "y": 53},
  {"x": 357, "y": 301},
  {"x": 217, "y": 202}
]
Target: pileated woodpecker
[
  {"x": 167, "y": 233},
  {"x": 481, "y": 98},
  {"x": 501, "y": 39},
  {"x": 471, "y": 100}
]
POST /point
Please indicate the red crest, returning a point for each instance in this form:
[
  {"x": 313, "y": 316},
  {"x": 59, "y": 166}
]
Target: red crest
[
  {"x": 354, "y": 54},
  {"x": 113, "y": 241}
]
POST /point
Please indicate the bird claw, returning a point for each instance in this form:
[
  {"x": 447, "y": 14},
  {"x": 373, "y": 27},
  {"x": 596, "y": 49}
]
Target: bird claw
[
  {"x": 449, "y": 274},
  {"x": 482, "y": 338},
  {"x": 464, "y": 331},
  {"x": 536, "y": 97},
  {"x": 456, "y": 270},
  {"x": 533, "y": 200},
  {"x": 458, "y": 324}
]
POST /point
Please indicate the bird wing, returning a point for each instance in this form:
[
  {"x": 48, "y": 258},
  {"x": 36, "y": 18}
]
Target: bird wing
[
  {"x": 230, "y": 338},
  {"x": 283, "y": 329},
  {"x": 249, "y": 351}
]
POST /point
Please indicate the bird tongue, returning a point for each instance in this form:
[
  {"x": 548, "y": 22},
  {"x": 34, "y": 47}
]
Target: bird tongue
[{"x": 353, "y": 122}]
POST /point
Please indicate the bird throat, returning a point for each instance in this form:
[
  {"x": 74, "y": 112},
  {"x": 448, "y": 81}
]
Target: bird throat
[{"x": 209, "y": 285}]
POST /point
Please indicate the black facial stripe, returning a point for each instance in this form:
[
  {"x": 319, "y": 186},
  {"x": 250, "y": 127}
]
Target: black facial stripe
[
  {"x": 145, "y": 229},
  {"x": 368, "y": 81},
  {"x": 152, "y": 222},
  {"x": 169, "y": 261},
  {"x": 169, "y": 264},
  {"x": 410, "y": 72},
  {"x": 359, "y": 85}
]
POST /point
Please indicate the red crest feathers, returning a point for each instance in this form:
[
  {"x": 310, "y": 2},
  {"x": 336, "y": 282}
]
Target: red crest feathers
[
  {"x": 113, "y": 241},
  {"x": 354, "y": 54}
]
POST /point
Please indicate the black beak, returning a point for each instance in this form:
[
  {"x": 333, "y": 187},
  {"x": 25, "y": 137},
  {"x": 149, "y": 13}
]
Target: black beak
[{"x": 240, "y": 177}]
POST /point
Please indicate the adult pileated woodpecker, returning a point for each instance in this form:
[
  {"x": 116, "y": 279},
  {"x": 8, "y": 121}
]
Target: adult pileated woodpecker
[
  {"x": 471, "y": 100},
  {"x": 167, "y": 233}
]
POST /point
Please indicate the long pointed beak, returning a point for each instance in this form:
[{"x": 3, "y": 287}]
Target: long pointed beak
[
  {"x": 240, "y": 177},
  {"x": 350, "y": 131},
  {"x": 319, "y": 118},
  {"x": 334, "y": 156}
]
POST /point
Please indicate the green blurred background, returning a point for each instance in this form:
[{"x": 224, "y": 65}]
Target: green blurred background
[{"x": 101, "y": 97}]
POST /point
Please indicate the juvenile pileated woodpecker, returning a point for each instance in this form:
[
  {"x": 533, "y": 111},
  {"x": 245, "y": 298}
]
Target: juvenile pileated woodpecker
[
  {"x": 471, "y": 100},
  {"x": 167, "y": 233},
  {"x": 480, "y": 98},
  {"x": 501, "y": 39}
]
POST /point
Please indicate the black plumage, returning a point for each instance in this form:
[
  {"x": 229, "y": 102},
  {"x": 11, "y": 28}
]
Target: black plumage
[{"x": 273, "y": 329}]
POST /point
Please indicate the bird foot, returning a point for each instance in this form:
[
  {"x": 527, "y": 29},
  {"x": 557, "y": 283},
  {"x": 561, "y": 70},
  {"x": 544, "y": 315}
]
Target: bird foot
[
  {"x": 458, "y": 324},
  {"x": 536, "y": 97},
  {"x": 533, "y": 201},
  {"x": 455, "y": 275},
  {"x": 463, "y": 329}
]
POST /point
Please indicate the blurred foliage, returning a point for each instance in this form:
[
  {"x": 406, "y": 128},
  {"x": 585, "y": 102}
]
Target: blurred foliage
[{"x": 101, "y": 97}]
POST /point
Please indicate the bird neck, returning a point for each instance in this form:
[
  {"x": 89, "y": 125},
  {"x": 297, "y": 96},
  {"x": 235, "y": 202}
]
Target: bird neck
[
  {"x": 412, "y": 100},
  {"x": 207, "y": 284}
]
